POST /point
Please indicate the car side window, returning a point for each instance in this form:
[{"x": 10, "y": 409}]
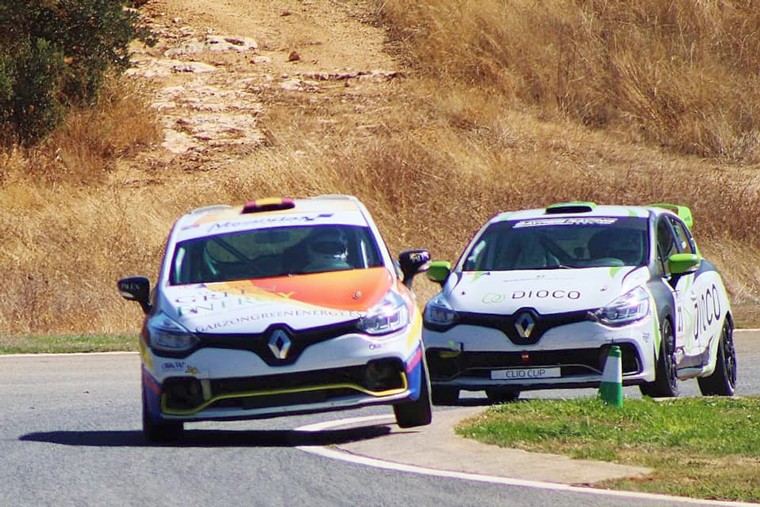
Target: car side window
[
  {"x": 666, "y": 243},
  {"x": 683, "y": 237}
]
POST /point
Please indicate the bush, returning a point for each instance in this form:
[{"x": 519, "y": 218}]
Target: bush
[{"x": 54, "y": 56}]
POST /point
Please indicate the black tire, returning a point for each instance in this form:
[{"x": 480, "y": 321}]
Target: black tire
[
  {"x": 502, "y": 394},
  {"x": 416, "y": 413},
  {"x": 665, "y": 384},
  {"x": 723, "y": 380},
  {"x": 445, "y": 395},
  {"x": 159, "y": 431}
]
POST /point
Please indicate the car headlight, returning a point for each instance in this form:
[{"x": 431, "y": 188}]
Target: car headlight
[
  {"x": 389, "y": 315},
  {"x": 169, "y": 336},
  {"x": 439, "y": 314},
  {"x": 629, "y": 307}
]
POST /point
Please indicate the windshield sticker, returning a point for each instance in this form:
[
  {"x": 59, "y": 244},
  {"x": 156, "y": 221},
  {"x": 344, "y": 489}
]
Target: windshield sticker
[
  {"x": 280, "y": 219},
  {"x": 542, "y": 222}
]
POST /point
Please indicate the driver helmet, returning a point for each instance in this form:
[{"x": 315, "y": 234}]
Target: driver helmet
[{"x": 327, "y": 245}]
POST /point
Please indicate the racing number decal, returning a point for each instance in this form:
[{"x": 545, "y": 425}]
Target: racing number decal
[
  {"x": 707, "y": 310},
  {"x": 679, "y": 317}
]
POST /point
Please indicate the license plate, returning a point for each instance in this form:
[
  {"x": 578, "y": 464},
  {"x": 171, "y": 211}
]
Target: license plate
[{"x": 525, "y": 373}]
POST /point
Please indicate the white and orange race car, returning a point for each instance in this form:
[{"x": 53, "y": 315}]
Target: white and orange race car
[{"x": 279, "y": 306}]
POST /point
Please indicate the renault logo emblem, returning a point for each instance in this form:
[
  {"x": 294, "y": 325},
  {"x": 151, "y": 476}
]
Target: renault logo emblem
[
  {"x": 279, "y": 344},
  {"x": 524, "y": 324}
]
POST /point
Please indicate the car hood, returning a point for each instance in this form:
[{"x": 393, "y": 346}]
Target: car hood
[
  {"x": 301, "y": 302},
  {"x": 547, "y": 291}
]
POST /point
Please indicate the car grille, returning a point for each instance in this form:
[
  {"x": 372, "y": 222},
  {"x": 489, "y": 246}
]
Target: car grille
[
  {"x": 571, "y": 362},
  {"x": 508, "y": 324},
  {"x": 379, "y": 377},
  {"x": 258, "y": 343}
]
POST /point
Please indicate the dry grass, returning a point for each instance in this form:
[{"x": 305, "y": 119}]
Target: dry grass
[{"x": 506, "y": 105}]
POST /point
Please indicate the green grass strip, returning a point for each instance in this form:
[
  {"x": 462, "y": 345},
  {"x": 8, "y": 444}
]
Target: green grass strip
[
  {"x": 61, "y": 344},
  {"x": 697, "y": 447}
]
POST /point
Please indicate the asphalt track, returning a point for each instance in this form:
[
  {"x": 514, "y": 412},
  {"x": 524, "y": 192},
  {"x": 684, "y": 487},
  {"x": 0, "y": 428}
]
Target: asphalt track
[
  {"x": 450, "y": 455},
  {"x": 69, "y": 435}
]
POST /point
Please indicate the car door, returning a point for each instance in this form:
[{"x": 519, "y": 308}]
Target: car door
[
  {"x": 704, "y": 295},
  {"x": 668, "y": 244},
  {"x": 685, "y": 288}
]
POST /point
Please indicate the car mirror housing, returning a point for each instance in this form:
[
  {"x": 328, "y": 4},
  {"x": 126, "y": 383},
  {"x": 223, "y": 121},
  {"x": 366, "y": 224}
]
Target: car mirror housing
[
  {"x": 439, "y": 271},
  {"x": 136, "y": 288},
  {"x": 413, "y": 262},
  {"x": 683, "y": 263}
]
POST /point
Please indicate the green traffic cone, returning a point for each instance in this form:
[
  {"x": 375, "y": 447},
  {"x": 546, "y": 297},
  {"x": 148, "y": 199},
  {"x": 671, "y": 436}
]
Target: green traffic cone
[{"x": 611, "y": 388}]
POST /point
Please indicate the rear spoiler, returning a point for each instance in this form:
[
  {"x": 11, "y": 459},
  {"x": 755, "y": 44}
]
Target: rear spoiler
[{"x": 683, "y": 212}]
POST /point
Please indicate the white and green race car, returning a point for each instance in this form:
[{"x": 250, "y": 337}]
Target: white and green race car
[{"x": 539, "y": 296}]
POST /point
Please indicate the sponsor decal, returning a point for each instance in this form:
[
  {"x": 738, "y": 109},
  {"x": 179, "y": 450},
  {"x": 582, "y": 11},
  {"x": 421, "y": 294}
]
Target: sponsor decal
[
  {"x": 493, "y": 298},
  {"x": 173, "y": 366},
  {"x": 216, "y": 301},
  {"x": 546, "y": 294},
  {"x": 707, "y": 309},
  {"x": 539, "y": 222},
  {"x": 214, "y": 304},
  {"x": 277, "y": 316},
  {"x": 414, "y": 360},
  {"x": 181, "y": 366},
  {"x": 278, "y": 219}
]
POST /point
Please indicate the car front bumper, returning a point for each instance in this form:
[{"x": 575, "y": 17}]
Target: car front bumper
[
  {"x": 475, "y": 358},
  {"x": 347, "y": 372}
]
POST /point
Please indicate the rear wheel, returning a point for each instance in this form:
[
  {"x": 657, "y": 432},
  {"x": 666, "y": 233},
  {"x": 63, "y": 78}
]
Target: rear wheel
[
  {"x": 159, "y": 431},
  {"x": 665, "y": 383},
  {"x": 502, "y": 394},
  {"x": 723, "y": 380},
  {"x": 445, "y": 395},
  {"x": 419, "y": 412}
]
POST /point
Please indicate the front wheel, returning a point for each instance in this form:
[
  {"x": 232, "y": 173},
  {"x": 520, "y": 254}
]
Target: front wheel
[
  {"x": 419, "y": 412},
  {"x": 723, "y": 380},
  {"x": 665, "y": 383},
  {"x": 156, "y": 430}
]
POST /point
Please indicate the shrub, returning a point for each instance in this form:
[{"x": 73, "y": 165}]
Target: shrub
[{"x": 54, "y": 56}]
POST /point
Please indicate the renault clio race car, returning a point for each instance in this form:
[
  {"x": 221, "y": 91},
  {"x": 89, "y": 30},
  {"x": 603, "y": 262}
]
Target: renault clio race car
[
  {"x": 279, "y": 306},
  {"x": 539, "y": 296}
]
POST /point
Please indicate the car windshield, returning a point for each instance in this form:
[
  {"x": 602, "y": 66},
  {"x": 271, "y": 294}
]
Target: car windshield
[
  {"x": 554, "y": 243},
  {"x": 264, "y": 253}
]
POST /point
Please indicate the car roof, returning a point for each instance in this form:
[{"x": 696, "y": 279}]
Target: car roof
[
  {"x": 592, "y": 210},
  {"x": 271, "y": 212}
]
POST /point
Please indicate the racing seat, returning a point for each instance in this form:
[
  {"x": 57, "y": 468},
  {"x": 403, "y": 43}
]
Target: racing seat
[{"x": 623, "y": 244}]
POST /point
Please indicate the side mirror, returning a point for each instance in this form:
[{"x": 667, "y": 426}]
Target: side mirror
[
  {"x": 413, "y": 262},
  {"x": 136, "y": 288},
  {"x": 439, "y": 271},
  {"x": 683, "y": 263}
]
